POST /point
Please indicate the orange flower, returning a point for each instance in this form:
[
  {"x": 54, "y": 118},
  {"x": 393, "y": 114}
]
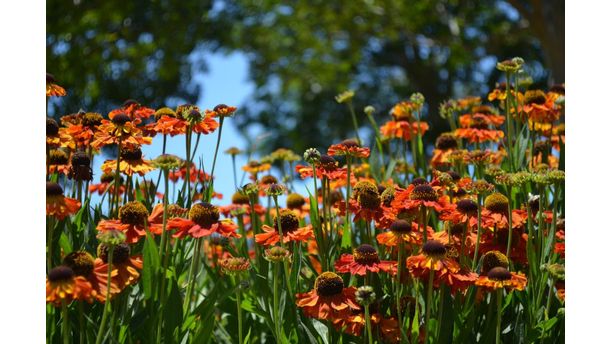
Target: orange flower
[
  {"x": 167, "y": 125},
  {"x": 127, "y": 267},
  {"x": 327, "y": 167},
  {"x": 403, "y": 129},
  {"x": 105, "y": 183},
  {"x": 445, "y": 145},
  {"x": 254, "y": 167},
  {"x": 540, "y": 107},
  {"x": 203, "y": 221},
  {"x": 234, "y": 265},
  {"x": 436, "y": 256},
  {"x": 349, "y": 148},
  {"x": 133, "y": 109},
  {"x": 57, "y": 137},
  {"x": 133, "y": 217},
  {"x": 499, "y": 277},
  {"x": 476, "y": 128},
  {"x": 58, "y": 162},
  {"x": 416, "y": 196},
  {"x": 356, "y": 322},
  {"x": 53, "y": 89},
  {"x": 120, "y": 129},
  {"x": 364, "y": 258},
  {"x": 403, "y": 230},
  {"x": 59, "y": 206},
  {"x": 131, "y": 163},
  {"x": 64, "y": 287},
  {"x": 329, "y": 299},
  {"x": 95, "y": 271},
  {"x": 291, "y": 229}
]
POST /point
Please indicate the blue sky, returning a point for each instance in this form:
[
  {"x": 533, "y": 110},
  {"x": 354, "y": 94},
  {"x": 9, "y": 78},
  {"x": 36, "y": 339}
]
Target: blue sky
[{"x": 225, "y": 82}]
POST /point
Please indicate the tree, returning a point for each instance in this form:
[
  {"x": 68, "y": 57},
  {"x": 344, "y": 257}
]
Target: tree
[{"x": 303, "y": 53}]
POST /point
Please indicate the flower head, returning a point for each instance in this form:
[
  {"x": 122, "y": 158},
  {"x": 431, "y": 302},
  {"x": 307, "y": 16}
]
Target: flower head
[{"x": 234, "y": 265}]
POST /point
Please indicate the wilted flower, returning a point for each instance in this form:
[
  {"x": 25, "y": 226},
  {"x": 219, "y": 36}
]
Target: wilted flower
[{"x": 345, "y": 96}]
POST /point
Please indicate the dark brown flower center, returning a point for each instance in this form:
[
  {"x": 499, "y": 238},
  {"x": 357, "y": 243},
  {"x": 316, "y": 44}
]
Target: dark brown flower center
[
  {"x": 204, "y": 214},
  {"x": 58, "y": 157},
  {"x": 130, "y": 102},
  {"x": 121, "y": 253},
  {"x": 558, "y": 88},
  {"x": 60, "y": 273},
  {"x": 446, "y": 141},
  {"x": 329, "y": 284},
  {"x": 81, "y": 262},
  {"x": 91, "y": 119},
  {"x": 350, "y": 143},
  {"x": 133, "y": 213},
  {"x": 401, "y": 226},
  {"x": 269, "y": 179},
  {"x": 107, "y": 178},
  {"x": 418, "y": 181},
  {"x": 131, "y": 154},
  {"x": 424, "y": 192},
  {"x": 52, "y": 127},
  {"x": 80, "y": 159},
  {"x": 328, "y": 162},
  {"x": 54, "y": 189},
  {"x": 499, "y": 274},
  {"x": 434, "y": 248},
  {"x": 467, "y": 206},
  {"x": 121, "y": 119},
  {"x": 479, "y": 122},
  {"x": 220, "y": 108},
  {"x": 50, "y": 78},
  {"x": 288, "y": 220},
  {"x": 483, "y": 109},
  {"x": 366, "y": 255},
  {"x": 535, "y": 97},
  {"x": 387, "y": 196}
]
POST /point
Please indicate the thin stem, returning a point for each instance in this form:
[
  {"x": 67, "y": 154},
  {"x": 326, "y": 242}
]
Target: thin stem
[
  {"x": 234, "y": 171},
  {"x": 163, "y": 253},
  {"x": 117, "y": 180},
  {"x": 107, "y": 303},
  {"x": 347, "y": 218},
  {"x": 239, "y": 311},
  {"x": 277, "y": 315},
  {"x": 368, "y": 324},
  {"x": 192, "y": 274},
  {"x": 65, "y": 323},
  {"x": 429, "y": 302},
  {"x": 499, "y": 316},
  {"x": 209, "y": 190},
  {"x": 50, "y": 230},
  {"x": 475, "y": 260},
  {"x": 354, "y": 117}
]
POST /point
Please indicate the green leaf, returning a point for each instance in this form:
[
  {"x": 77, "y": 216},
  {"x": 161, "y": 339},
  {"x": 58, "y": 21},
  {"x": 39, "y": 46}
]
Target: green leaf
[
  {"x": 150, "y": 266},
  {"x": 173, "y": 312},
  {"x": 65, "y": 244}
]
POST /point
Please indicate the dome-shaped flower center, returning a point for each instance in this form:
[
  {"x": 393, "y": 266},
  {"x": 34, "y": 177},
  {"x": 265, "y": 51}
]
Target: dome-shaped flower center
[
  {"x": 133, "y": 213},
  {"x": 91, "y": 119},
  {"x": 369, "y": 200},
  {"x": 494, "y": 259},
  {"x": 240, "y": 198},
  {"x": 535, "y": 97},
  {"x": 288, "y": 221},
  {"x": 58, "y": 157},
  {"x": 457, "y": 228},
  {"x": 479, "y": 121},
  {"x": 54, "y": 189},
  {"x": 401, "y": 227},
  {"x": 80, "y": 159},
  {"x": 131, "y": 154},
  {"x": 499, "y": 274},
  {"x": 121, "y": 119},
  {"x": 483, "y": 109},
  {"x": 165, "y": 111},
  {"x": 434, "y": 248},
  {"x": 269, "y": 179},
  {"x": 121, "y": 253},
  {"x": 350, "y": 143},
  {"x": 52, "y": 127},
  {"x": 204, "y": 214},
  {"x": 424, "y": 192},
  {"x": 366, "y": 255},
  {"x": 365, "y": 187},
  {"x": 329, "y": 284},
  {"x": 81, "y": 262},
  {"x": 467, "y": 206},
  {"x": 108, "y": 177},
  {"x": 558, "y": 88},
  {"x": 60, "y": 274},
  {"x": 388, "y": 196},
  {"x": 446, "y": 141},
  {"x": 295, "y": 201},
  {"x": 418, "y": 181},
  {"x": 496, "y": 203},
  {"x": 328, "y": 162}
]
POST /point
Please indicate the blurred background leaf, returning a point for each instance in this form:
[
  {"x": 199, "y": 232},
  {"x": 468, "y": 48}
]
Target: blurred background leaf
[{"x": 301, "y": 54}]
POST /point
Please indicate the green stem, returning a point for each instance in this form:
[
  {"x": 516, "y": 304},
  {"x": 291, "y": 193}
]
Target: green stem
[
  {"x": 509, "y": 225},
  {"x": 50, "y": 230},
  {"x": 65, "y": 323},
  {"x": 239, "y": 311},
  {"x": 499, "y": 316},
  {"x": 475, "y": 260},
  {"x": 368, "y": 324},
  {"x": 163, "y": 253},
  {"x": 117, "y": 172},
  {"x": 429, "y": 302},
  {"x": 354, "y": 117},
  {"x": 277, "y": 315},
  {"x": 192, "y": 274},
  {"x": 509, "y": 123},
  {"x": 107, "y": 303},
  {"x": 347, "y": 218},
  {"x": 211, "y": 184}
]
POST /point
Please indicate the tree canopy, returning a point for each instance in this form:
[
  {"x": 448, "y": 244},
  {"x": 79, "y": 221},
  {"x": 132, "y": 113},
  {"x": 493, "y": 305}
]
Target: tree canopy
[{"x": 301, "y": 54}]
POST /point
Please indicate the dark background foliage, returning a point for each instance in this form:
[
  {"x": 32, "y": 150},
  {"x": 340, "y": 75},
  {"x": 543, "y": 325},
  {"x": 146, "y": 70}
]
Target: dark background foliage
[{"x": 301, "y": 54}]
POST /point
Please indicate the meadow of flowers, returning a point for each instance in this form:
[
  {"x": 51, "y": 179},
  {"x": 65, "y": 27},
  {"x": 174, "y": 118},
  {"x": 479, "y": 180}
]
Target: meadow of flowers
[{"x": 390, "y": 243}]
